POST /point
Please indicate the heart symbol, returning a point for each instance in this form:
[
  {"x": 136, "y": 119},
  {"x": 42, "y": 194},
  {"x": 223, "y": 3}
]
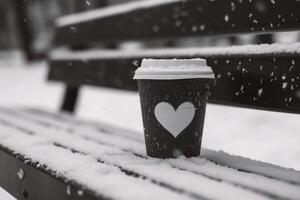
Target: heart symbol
[{"x": 174, "y": 121}]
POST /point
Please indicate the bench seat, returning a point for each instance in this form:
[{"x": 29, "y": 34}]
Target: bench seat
[{"x": 56, "y": 156}]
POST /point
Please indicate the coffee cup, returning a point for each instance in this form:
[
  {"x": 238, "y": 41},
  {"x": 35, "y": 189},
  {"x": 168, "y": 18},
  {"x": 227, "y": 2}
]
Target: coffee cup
[{"x": 173, "y": 94}]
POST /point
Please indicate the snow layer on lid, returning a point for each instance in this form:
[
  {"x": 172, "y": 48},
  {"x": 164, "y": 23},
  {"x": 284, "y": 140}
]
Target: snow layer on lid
[
  {"x": 178, "y": 63},
  {"x": 173, "y": 69},
  {"x": 111, "y": 10}
]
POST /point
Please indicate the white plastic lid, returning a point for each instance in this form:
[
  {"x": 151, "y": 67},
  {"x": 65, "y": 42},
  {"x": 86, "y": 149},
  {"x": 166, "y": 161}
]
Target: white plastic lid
[{"x": 168, "y": 69}]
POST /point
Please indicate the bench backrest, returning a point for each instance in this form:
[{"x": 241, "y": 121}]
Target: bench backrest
[
  {"x": 171, "y": 19},
  {"x": 263, "y": 77}
]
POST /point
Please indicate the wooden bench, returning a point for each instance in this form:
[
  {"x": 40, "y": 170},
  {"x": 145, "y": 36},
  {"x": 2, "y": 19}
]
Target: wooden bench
[
  {"x": 60, "y": 157},
  {"x": 56, "y": 156},
  {"x": 246, "y": 76}
]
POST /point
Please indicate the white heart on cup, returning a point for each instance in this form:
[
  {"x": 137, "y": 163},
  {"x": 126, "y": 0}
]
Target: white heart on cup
[{"x": 174, "y": 121}]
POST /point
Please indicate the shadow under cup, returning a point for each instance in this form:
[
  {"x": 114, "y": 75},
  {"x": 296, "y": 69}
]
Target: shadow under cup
[{"x": 173, "y": 115}]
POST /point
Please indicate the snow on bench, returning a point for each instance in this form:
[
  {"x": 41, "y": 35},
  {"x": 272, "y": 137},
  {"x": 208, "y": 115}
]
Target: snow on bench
[
  {"x": 247, "y": 50},
  {"x": 171, "y": 19},
  {"x": 110, "y": 162},
  {"x": 248, "y": 76},
  {"x": 112, "y": 10}
]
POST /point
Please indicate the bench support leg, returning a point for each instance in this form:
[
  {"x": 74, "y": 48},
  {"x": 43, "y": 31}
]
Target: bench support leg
[
  {"x": 21, "y": 11},
  {"x": 70, "y": 98}
]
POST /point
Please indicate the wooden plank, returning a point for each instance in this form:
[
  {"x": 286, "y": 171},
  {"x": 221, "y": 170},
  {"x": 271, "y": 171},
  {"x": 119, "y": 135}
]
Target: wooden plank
[
  {"x": 70, "y": 98},
  {"x": 24, "y": 27},
  {"x": 171, "y": 19},
  {"x": 261, "y": 81},
  {"x": 95, "y": 143},
  {"x": 65, "y": 122},
  {"x": 103, "y": 176},
  {"x": 24, "y": 179}
]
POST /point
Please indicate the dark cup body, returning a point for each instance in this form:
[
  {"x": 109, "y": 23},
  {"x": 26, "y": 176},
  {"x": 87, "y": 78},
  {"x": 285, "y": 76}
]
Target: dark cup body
[{"x": 160, "y": 143}]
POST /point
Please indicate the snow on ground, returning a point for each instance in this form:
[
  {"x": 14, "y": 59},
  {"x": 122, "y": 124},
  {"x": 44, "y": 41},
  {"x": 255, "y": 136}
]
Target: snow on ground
[
  {"x": 4, "y": 195},
  {"x": 27, "y": 86},
  {"x": 261, "y": 135}
]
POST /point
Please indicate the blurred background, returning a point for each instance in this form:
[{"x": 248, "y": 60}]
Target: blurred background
[
  {"x": 29, "y": 24},
  {"x": 27, "y": 27},
  {"x": 26, "y": 33}
]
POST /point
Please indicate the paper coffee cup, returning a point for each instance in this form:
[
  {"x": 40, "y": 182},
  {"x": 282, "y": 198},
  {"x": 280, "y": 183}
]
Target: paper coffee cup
[{"x": 173, "y": 95}]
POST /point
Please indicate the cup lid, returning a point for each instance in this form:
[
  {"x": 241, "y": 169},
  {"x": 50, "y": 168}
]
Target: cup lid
[{"x": 168, "y": 69}]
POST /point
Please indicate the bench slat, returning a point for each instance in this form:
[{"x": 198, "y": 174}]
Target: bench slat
[
  {"x": 85, "y": 139},
  {"x": 105, "y": 180},
  {"x": 109, "y": 177},
  {"x": 38, "y": 183},
  {"x": 169, "y": 19},
  {"x": 264, "y": 80},
  {"x": 67, "y": 122}
]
